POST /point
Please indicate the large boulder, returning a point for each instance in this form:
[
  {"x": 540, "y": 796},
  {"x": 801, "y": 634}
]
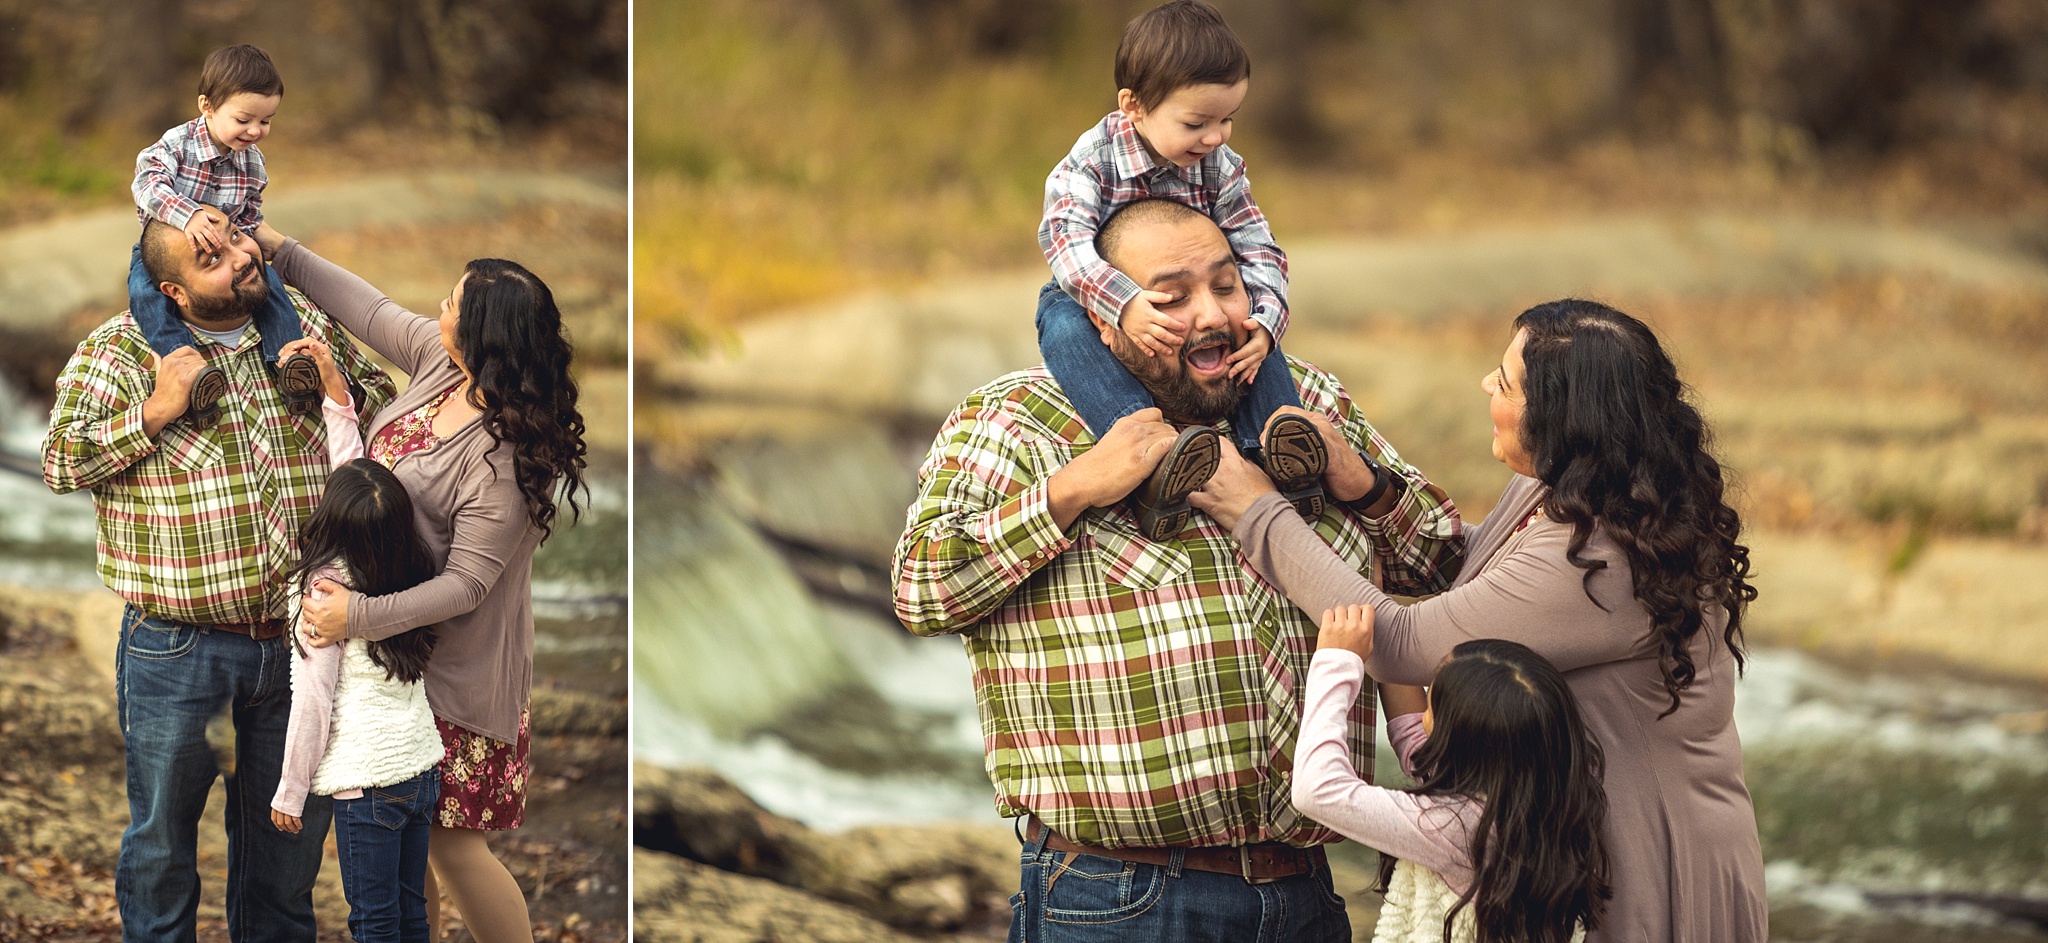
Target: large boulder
[
  {"x": 931, "y": 878},
  {"x": 676, "y": 900}
]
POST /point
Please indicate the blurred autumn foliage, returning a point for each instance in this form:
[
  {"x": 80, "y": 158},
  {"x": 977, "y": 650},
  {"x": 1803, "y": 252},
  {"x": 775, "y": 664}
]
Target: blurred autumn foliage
[
  {"x": 788, "y": 150},
  {"x": 84, "y": 84}
]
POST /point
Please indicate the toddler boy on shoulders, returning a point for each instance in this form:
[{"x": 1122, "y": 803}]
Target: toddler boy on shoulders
[{"x": 213, "y": 160}]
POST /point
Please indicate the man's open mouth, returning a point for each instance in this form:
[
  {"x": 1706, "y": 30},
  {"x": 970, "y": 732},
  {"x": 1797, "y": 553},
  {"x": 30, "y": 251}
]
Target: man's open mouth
[{"x": 1208, "y": 357}]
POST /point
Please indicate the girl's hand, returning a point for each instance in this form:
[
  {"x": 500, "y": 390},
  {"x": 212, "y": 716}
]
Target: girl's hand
[
  {"x": 1258, "y": 345},
  {"x": 1231, "y": 491},
  {"x": 286, "y": 823},
  {"x": 324, "y": 612},
  {"x": 1348, "y": 628},
  {"x": 331, "y": 376}
]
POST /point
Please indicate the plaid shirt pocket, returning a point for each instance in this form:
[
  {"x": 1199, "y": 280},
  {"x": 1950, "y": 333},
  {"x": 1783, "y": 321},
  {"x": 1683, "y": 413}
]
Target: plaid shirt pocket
[
  {"x": 1131, "y": 561},
  {"x": 190, "y": 448}
]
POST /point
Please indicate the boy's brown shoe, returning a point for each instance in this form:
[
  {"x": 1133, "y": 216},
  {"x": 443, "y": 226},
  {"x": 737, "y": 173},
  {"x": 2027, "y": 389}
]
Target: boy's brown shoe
[
  {"x": 1295, "y": 457},
  {"x": 298, "y": 378},
  {"x": 202, "y": 405},
  {"x": 1161, "y": 503}
]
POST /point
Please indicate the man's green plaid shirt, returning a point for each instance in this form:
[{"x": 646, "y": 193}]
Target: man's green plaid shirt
[
  {"x": 196, "y": 525},
  {"x": 1135, "y": 693}
]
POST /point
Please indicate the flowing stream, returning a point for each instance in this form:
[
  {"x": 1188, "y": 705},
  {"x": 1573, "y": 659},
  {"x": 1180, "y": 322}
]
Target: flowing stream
[
  {"x": 46, "y": 540},
  {"x": 1892, "y": 806}
]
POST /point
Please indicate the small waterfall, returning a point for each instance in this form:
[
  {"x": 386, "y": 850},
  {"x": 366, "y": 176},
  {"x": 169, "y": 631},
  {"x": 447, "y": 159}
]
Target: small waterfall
[{"x": 723, "y": 631}]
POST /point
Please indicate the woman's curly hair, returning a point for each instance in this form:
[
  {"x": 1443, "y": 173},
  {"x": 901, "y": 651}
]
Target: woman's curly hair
[
  {"x": 1608, "y": 428},
  {"x": 510, "y": 335}
]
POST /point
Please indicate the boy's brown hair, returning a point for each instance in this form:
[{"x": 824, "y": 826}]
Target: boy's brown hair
[
  {"x": 232, "y": 70},
  {"x": 1176, "y": 45}
]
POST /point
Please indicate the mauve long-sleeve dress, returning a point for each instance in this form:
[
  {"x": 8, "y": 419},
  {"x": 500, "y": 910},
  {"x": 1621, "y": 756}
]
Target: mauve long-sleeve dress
[{"x": 1681, "y": 832}]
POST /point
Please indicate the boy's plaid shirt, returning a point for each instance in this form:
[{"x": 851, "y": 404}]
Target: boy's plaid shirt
[
  {"x": 1109, "y": 168},
  {"x": 184, "y": 169},
  {"x": 197, "y": 525},
  {"x": 1131, "y": 692}
]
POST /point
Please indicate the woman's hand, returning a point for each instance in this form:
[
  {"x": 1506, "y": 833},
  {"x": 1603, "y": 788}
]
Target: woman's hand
[
  {"x": 1231, "y": 491},
  {"x": 324, "y": 613},
  {"x": 1348, "y": 628},
  {"x": 269, "y": 240},
  {"x": 286, "y": 823}
]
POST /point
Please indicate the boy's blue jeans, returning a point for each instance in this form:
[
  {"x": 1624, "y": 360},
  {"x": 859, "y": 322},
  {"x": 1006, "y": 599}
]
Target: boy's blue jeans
[
  {"x": 1104, "y": 391},
  {"x": 1103, "y": 899},
  {"x": 171, "y": 678},
  {"x": 157, "y": 316},
  {"x": 382, "y": 839}
]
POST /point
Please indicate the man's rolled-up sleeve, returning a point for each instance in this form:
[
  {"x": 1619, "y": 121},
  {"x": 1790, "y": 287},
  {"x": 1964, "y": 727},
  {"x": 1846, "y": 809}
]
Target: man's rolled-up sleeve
[
  {"x": 96, "y": 428},
  {"x": 982, "y": 524}
]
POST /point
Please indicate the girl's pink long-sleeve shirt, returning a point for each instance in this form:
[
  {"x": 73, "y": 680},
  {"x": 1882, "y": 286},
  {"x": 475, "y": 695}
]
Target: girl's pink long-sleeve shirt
[{"x": 1432, "y": 831}]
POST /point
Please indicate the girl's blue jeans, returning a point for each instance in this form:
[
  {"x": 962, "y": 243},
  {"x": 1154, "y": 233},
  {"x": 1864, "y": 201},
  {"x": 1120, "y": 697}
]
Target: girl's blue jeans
[
  {"x": 382, "y": 840},
  {"x": 157, "y": 316},
  {"x": 1104, "y": 391}
]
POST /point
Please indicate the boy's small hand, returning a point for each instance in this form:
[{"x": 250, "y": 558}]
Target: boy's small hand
[
  {"x": 207, "y": 231},
  {"x": 1348, "y": 628},
  {"x": 1155, "y": 332},
  {"x": 331, "y": 377},
  {"x": 286, "y": 823},
  {"x": 1245, "y": 361}
]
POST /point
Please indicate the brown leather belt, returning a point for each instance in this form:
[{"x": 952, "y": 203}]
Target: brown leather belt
[
  {"x": 259, "y": 630},
  {"x": 1257, "y": 864}
]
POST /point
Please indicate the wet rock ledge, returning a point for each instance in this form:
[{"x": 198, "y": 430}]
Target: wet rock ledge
[{"x": 712, "y": 866}]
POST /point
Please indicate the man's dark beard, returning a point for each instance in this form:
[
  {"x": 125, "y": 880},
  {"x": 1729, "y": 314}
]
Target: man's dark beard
[
  {"x": 1176, "y": 392},
  {"x": 239, "y": 303}
]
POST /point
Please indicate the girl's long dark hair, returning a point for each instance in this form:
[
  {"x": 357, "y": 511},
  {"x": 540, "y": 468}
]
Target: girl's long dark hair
[
  {"x": 365, "y": 521},
  {"x": 1508, "y": 735},
  {"x": 1608, "y": 428},
  {"x": 510, "y": 335}
]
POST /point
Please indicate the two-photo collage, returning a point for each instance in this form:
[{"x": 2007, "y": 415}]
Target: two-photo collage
[{"x": 877, "y": 471}]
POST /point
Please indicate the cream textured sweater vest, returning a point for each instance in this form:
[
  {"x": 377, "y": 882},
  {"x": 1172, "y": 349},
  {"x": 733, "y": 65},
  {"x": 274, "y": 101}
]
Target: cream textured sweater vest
[
  {"x": 382, "y": 731},
  {"x": 1417, "y": 901}
]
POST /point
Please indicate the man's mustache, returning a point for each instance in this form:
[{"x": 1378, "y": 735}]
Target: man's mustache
[{"x": 1197, "y": 341}]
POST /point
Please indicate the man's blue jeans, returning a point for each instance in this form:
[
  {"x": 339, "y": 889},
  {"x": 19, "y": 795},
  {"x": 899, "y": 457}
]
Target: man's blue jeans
[
  {"x": 171, "y": 679},
  {"x": 1100, "y": 899},
  {"x": 1103, "y": 390},
  {"x": 382, "y": 840}
]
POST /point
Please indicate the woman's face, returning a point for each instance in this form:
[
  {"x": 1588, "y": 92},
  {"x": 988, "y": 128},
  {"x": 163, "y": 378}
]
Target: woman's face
[
  {"x": 451, "y": 315},
  {"x": 1504, "y": 405}
]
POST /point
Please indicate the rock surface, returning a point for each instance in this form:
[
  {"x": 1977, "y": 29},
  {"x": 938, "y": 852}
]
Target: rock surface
[
  {"x": 929, "y": 879},
  {"x": 676, "y": 900}
]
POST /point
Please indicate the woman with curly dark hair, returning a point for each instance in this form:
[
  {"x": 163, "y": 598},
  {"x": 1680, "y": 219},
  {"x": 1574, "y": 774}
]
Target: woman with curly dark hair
[
  {"x": 486, "y": 440},
  {"x": 1614, "y": 554}
]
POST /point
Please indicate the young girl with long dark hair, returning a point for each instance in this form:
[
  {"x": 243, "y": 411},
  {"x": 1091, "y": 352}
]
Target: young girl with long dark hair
[
  {"x": 1499, "y": 840},
  {"x": 360, "y": 727}
]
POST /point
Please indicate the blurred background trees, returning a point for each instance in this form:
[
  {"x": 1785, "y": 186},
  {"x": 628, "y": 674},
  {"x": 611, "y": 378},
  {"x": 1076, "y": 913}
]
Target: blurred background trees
[
  {"x": 792, "y": 149},
  {"x": 84, "y": 84}
]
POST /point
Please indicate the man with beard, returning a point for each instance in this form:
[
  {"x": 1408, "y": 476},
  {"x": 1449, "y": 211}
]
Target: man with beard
[
  {"x": 1140, "y": 699},
  {"x": 196, "y": 528}
]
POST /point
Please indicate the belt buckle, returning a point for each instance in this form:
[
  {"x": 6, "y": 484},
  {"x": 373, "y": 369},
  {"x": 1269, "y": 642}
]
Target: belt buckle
[{"x": 1244, "y": 866}]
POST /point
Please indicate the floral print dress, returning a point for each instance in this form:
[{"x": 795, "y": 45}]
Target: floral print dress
[{"x": 483, "y": 781}]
